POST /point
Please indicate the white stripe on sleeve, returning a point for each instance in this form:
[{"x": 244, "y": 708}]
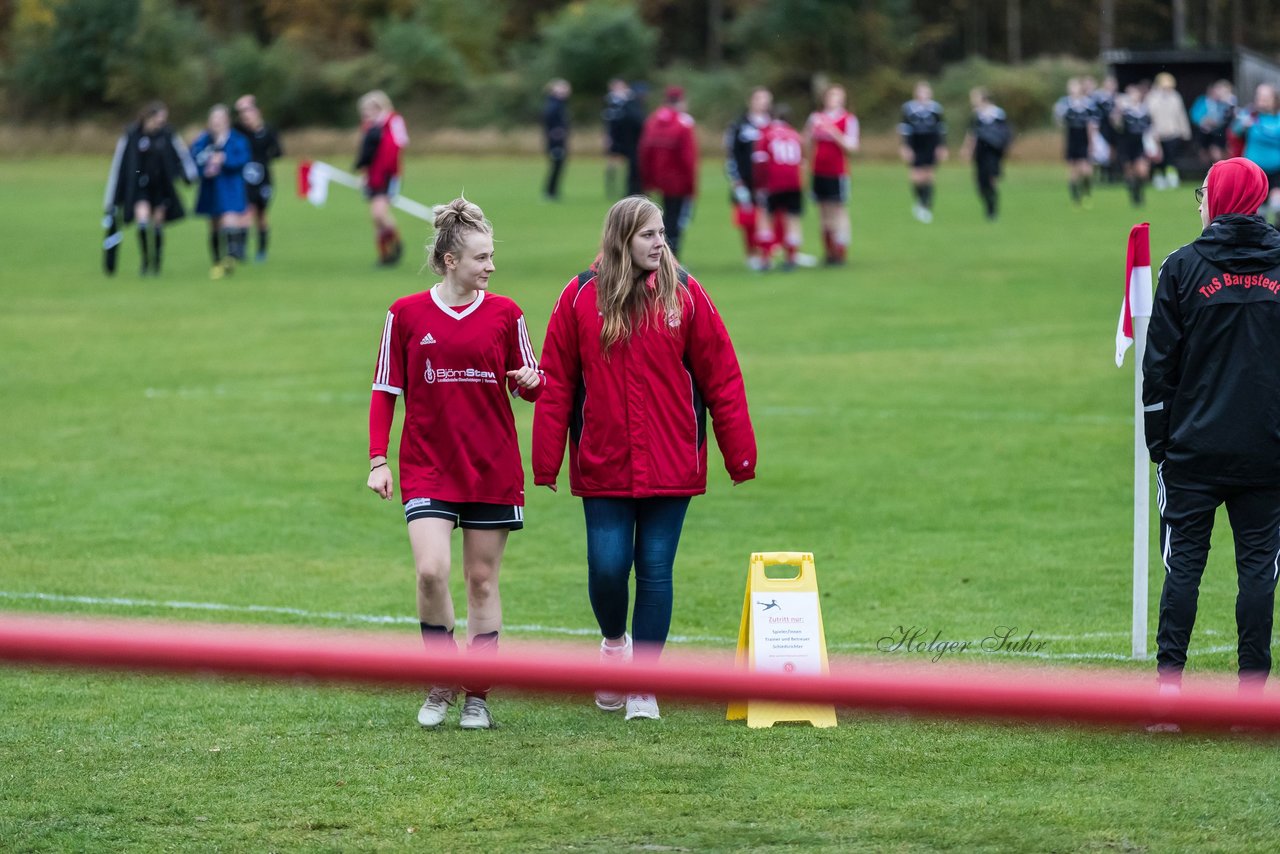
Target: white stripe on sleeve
[
  {"x": 526, "y": 349},
  {"x": 382, "y": 376}
]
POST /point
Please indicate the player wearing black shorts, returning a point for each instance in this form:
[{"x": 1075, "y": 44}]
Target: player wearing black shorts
[
  {"x": 1134, "y": 125},
  {"x": 986, "y": 142},
  {"x": 924, "y": 144},
  {"x": 1077, "y": 115},
  {"x": 264, "y": 145}
]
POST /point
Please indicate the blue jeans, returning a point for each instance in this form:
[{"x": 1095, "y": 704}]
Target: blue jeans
[{"x": 623, "y": 531}]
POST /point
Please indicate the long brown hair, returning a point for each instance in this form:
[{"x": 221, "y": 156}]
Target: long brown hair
[{"x": 622, "y": 292}]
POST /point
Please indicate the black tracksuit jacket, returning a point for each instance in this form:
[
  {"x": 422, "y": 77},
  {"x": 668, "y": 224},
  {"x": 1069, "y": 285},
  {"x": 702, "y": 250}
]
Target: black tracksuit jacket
[{"x": 1211, "y": 375}]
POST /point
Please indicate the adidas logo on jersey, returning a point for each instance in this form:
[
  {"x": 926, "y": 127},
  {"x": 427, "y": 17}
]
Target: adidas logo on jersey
[{"x": 427, "y": 339}]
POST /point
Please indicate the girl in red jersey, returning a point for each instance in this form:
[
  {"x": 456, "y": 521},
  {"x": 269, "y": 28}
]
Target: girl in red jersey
[
  {"x": 635, "y": 354},
  {"x": 383, "y": 136},
  {"x": 779, "y": 158},
  {"x": 453, "y": 352},
  {"x": 832, "y": 136}
]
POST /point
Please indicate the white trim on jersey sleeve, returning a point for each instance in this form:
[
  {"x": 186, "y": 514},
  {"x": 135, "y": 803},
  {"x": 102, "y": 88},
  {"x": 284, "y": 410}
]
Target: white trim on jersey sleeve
[
  {"x": 109, "y": 198},
  {"x": 382, "y": 374},
  {"x": 526, "y": 348},
  {"x": 398, "y": 130}
]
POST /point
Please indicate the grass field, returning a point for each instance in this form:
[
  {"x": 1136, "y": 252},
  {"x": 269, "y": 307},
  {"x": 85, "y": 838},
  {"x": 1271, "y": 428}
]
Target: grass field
[{"x": 941, "y": 424}]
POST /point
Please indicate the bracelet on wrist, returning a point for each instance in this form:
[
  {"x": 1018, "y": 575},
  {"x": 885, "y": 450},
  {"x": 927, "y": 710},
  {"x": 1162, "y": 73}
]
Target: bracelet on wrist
[{"x": 378, "y": 466}]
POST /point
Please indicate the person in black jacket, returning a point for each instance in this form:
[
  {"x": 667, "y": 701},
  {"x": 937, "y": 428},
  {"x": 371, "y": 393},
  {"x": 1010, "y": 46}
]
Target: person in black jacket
[
  {"x": 149, "y": 159},
  {"x": 555, "y": 130},
  {"x": 1211, "y": 390},
  {"x": 623, "y": 120},
  {"x": 986, "y": 142},
  {"x": 264, "y": 145}
]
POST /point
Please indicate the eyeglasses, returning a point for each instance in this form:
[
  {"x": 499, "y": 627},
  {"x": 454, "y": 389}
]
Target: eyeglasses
[{"x": 1200, "y": 195}]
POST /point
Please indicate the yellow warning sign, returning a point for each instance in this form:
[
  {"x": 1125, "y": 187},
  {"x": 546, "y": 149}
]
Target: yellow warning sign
[{"x": 781, "y": 632}]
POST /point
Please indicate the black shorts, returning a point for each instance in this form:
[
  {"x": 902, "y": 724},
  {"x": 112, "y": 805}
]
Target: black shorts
[
  {"x": 1077, "y": 144},
  {"x": 1131, "y": 148},
  {"x": 466, "y": 514},
  {"x": 152, "y": 191},
  {"x": 1213, "y": 138},
  {"x": 259, "y": 195},
  {"x": 390, "y": 189},
  {"x": 924, "y": 153},
  {"x": 791, "y": 201},
  {"x": 831, "y": 188}
]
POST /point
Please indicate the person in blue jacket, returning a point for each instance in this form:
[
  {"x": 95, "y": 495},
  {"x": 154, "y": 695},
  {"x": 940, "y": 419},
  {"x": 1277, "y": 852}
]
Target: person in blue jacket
[
  {"x": 1260, "y": 127},
  {"x": 221, "y": 153}
]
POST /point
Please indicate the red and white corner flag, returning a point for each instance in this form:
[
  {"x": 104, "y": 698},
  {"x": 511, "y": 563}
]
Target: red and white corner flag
[
  {"x": 1137, "y": 289},
  {"x": 1135, "y": 312}
]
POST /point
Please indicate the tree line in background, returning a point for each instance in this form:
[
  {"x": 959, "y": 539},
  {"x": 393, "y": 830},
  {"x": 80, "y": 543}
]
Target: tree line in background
[{"x": 484, "y": 62}]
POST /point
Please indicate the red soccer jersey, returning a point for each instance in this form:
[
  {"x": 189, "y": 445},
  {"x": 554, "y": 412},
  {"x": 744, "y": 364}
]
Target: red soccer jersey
[
  {"x": 459, "y": 437},
  {"x": 779, "y": 155},
  {"x": 386, "y": 159},
  {"x": 829, "y": 158}
]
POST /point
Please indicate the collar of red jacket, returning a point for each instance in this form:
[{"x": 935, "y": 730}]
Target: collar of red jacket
[{"x": 1235, "y": 186}]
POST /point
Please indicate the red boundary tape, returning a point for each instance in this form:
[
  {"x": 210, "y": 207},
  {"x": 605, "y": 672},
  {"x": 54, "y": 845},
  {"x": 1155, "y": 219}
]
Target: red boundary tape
[{"x": 1060, "y": 696}]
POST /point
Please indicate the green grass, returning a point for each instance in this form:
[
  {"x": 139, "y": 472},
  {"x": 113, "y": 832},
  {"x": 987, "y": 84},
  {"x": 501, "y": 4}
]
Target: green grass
[{"x": 940, "y": 423}]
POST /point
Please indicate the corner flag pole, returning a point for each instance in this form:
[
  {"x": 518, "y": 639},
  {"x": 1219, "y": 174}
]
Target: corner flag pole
[
  {"x": 1135, "y": 313},
  {"x": 314, "y": 177},
  {"x": 1141, "y": 491}
]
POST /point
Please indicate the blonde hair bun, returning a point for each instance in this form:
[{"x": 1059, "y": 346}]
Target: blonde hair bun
[{"x": 453, "y": 223}]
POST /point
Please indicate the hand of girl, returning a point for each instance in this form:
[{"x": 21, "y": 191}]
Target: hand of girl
[
  {"x": 525, "y": 377},
  {"x": 380, "y": 481}
]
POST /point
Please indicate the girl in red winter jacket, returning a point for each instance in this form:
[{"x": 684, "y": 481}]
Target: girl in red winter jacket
[{"x": 635, "y": 355}]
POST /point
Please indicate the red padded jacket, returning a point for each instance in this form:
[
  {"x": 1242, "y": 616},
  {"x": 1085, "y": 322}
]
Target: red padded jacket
[{"x": 636, "y": 422}]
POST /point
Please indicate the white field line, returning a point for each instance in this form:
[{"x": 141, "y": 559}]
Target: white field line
[
  {"x": 535, "y": 629},
  {"x": 224, "y": 392}
]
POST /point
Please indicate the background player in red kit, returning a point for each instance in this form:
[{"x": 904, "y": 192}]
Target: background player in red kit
[
  {"x": 833, "y": 135},
  {"x": 740, "y": 148},
  {"x": 778, "y": 160},
  {"x": 384, "y": 135},
  {"x": 669, "y": 163},
  {"x": 454, "y": 352}
]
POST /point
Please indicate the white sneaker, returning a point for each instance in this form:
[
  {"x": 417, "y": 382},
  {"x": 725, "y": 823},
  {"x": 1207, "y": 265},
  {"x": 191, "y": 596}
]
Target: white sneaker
[
  {"x": 642, "y": 706},
  {"x": 439, "y": 700},
  {"x": 610, "y": 701},
  {"x": 803, "y": 260},
  {"x": 475, "y": 714},
  {"x": 926, "y": 215},
  {"x": 1159, "y": 181}
]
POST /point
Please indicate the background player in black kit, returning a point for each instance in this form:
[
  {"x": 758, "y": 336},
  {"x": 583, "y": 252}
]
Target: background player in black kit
[
  {"x": 623, "y": 120},
  {"x": 264, "y": 147},
  {"x": 986, "y": 142},
  {"x": 149, "y": 160},
  {"x": 1077, "y": 115},
  {"x": 1134, "y": 121},
  {"x": 924, "y": 143}
]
